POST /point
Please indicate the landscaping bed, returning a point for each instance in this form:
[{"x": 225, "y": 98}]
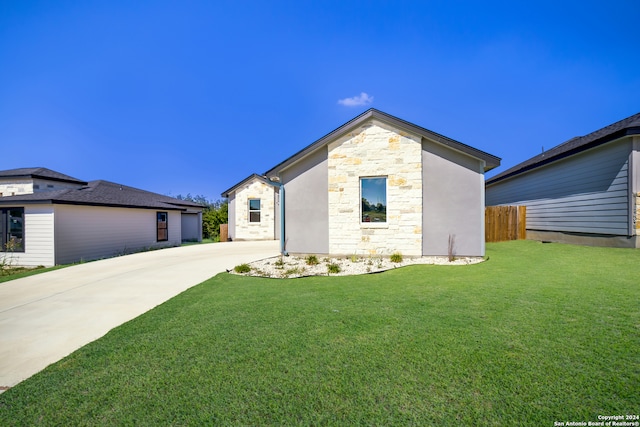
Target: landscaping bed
[{"x": 312, "y": 265}]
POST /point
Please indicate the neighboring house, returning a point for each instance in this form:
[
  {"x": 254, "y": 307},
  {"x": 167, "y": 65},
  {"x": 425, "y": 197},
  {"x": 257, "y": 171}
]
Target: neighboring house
[
  {"x": 47, "y": 218},
  {"x": 253, "y": 202},
  {"x": 585, "y": 191},
  {"x": 374, "y": 186}
]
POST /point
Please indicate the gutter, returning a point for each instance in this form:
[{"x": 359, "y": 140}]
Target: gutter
[{"x": 274, "y": 181}]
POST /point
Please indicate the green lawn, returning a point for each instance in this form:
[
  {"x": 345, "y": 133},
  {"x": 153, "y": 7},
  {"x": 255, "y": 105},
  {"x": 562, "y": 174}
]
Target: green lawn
[{"x": 540, "y": 333}]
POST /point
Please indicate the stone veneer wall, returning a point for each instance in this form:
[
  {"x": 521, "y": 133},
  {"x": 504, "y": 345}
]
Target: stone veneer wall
[
  {"x": 263, "y": 230},
  {"x": 16, "y": 187},
  {"x": 375, "y": 150},
  {"x": 10, "y": 187}
]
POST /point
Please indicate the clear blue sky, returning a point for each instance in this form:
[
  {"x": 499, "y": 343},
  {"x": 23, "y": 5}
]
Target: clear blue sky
[{"x": 184, "y": 97}]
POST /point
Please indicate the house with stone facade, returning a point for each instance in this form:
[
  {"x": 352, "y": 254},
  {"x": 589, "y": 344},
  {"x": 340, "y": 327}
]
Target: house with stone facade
[
  {"x": 374, "y": 186},
  {"x": 49, "y": 218},
  {"x": 584, "y": 191}
]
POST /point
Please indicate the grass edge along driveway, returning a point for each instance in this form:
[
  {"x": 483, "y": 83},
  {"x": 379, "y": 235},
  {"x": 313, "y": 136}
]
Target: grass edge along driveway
[{"x": 541, "y": 333}]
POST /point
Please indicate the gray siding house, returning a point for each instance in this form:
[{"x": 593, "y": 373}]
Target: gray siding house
[
  {"x": 585, "y": 190},
  {"x": 374, "y": 186},
  {"x": 48, "y": 218}
]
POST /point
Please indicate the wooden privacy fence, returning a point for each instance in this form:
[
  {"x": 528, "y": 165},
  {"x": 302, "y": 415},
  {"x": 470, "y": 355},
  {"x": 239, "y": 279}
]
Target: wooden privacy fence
[
  {"x": 224, "y": 232},
  {"x": 505, "y": 223}
]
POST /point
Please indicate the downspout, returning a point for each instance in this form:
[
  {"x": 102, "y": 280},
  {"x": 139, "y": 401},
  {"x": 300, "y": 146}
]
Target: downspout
[{"x": 280, "y": 187}]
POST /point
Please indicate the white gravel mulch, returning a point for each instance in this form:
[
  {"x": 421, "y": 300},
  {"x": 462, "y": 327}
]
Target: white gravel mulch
[{"x": 294, "y": 266}]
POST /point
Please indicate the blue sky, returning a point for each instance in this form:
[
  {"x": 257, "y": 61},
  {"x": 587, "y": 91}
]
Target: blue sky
[{"x": 184, "y": 97}]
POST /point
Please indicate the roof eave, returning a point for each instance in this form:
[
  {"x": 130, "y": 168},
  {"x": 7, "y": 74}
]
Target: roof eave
[
  {"x": 226, "y": 193},
  {"x": 491, "y": 161},
  {"x": 515, "y": 171}
]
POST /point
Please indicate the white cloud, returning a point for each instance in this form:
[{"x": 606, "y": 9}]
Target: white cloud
[{"x": 362, "y": 99}]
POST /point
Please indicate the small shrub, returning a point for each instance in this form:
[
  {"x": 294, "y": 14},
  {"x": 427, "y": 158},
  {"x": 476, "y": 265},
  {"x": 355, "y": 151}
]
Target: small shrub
[
  {"x": 242, "y": 268},
  {"x": 333, "y": 268},
  {"x": 296, "y": 271},
  {"x": 451, "y": 248},
  {"x": 6, "y": 260},
  {"x": 312, "y": 260},
  {"x": 354, "y": 258},
  {"x": 279, "y": 263},
  {"x": 396, "y": 257}
]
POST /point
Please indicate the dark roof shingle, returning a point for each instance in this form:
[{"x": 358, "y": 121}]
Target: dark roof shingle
[
  {"x": 105, "y": 193},
  {"x": 42, "y": 173},
  {"x": 624, "y": 127}
]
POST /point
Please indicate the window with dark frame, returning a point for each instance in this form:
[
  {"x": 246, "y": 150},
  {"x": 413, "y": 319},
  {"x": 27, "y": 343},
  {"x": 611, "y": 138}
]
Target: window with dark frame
[
  {"x": 374, "y": 199},
  {"x": 254, "y": 210},
  {"x": 12, "y": 230},
  {"x": 162, "y": 226}
]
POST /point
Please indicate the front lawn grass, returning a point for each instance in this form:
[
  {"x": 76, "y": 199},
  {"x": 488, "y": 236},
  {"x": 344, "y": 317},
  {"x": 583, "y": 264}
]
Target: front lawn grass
[{"x": 539, "y": 333}]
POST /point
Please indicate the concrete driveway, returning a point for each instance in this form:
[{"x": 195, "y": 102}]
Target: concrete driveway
[{"x": 45, "y": 317}]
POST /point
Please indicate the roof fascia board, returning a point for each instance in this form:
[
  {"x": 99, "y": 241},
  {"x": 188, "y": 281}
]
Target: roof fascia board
[
  {"x": 78, "y": 203},
  {"x": 44, "y": 178},
  {"x": 543, "y": 162},
  {"x": 490, "y": 160},
  {"x": 113, "y": 205},
  {"x": 69, "y": 181},
  {"x": 23, "y": 202},
  {"x": 226, "y": 193}
]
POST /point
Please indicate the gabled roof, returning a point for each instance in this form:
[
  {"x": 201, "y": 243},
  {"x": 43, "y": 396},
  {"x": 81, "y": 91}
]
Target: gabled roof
[
  {"x": 104, "y": 193},
  {"x": 617, "y": 130},
  {"x": 42, "y": 173},
  {"x": 490, "y": 160},
  {"x": 251, "y": 177}
]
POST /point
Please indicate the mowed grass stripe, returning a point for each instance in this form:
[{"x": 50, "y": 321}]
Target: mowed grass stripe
[{"x": 537, "y": 334}]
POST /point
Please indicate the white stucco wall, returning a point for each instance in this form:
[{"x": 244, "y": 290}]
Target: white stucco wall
[
  {"x": 375, "y": 150},
  {"x": 263, "y": 230}
]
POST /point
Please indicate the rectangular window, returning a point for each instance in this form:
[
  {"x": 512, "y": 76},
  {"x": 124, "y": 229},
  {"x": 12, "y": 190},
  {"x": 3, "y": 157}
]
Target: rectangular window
[
  {"x": 12, "y": 230},
  {"x": 254, "y": 210},
  {"x": 162, "y": 226},
  {"x": 374, "y": 199}
]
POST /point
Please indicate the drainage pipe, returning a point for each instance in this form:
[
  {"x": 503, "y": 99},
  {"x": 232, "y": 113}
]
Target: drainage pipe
[{"x": 280, "y": 187}]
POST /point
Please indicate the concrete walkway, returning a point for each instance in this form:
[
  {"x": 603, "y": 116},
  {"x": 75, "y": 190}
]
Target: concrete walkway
[{"x": 46, "y": 317}]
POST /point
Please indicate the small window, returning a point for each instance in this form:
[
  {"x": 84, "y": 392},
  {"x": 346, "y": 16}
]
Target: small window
[
  {"x": 254, "y": 210},
  {"x": 162, "y": 226},
  {"x": 12, "y": 230},
  {"x": 374, "y": 199}
]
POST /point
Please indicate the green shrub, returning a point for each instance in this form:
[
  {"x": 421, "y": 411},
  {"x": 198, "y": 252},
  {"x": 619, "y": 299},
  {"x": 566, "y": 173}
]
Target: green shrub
[
  {"x": 396, "y": 257},
  {"x": 242, "y": 268},
  {"x": 333, "y": 268},
  {"x": 312, "y": 260}
]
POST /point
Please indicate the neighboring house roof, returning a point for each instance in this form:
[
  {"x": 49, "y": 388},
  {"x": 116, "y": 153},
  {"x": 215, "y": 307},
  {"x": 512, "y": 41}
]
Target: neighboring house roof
[
  {"x": 251, "y": 177},
  {"x": 625, "y": 127},
  {"x": 42, "y": 173},
  {"x": 490, "y": 160},
  {"x": 105, "y": 193}
]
